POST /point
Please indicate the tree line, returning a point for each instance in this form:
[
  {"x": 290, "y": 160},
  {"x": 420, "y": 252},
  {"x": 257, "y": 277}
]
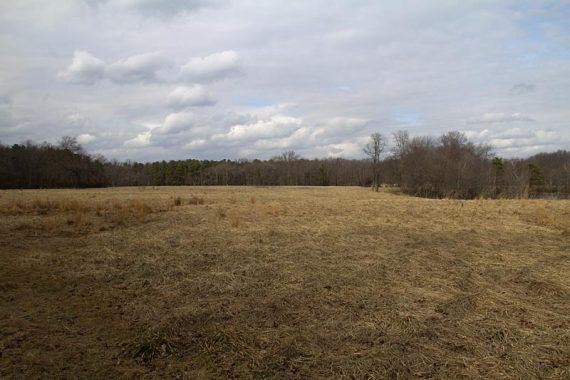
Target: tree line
[
  {"x": 449, "y": 166},
  {"x": 37, "y": 166},
  {"x": 453, "y": 167}
]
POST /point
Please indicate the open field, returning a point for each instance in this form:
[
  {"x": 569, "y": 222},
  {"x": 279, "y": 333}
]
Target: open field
[{"x": 281, "y": 282}]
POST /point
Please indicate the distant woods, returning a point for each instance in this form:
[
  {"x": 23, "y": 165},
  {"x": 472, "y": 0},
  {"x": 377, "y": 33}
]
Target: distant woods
[
  {"x": 446, "y": 167},
  {"x": 453, "y": 167},
  {"x": 32, "y": 166}
]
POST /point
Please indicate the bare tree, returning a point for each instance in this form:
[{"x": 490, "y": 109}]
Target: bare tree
[
  {"x": 70, "y": 143},
  {"x": 373, "y": 150},
  {"x": 401, "y": 141},
  {"x": 399, "y": 151},
  {"x": 566, "y": 169},
  {"x": 289, "y": 160}
]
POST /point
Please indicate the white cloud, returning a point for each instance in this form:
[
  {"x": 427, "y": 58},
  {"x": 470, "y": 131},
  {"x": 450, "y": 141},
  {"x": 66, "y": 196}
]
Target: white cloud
[
  {"x": 340, "y": 127},
  {"x": 512, "y": 140},
  {"x": 275, "y": 127},
  {"x": 85, "y": 138},
  {"x": 348, "y": 68},
  {"x": 296, "y": 139},
  {"x": 211, "y": 68},
  {"x": 477, "y": 135},
  {"x": 514, "y": 133},
  {"x": 140, "y": 140},
  {"x": 196, "y": 144},
  {"x": 84, "y": 69},
  {"x": 137, "y": 68},
  {"x": 87, "y": 70},
  {"x": 350, "y": 149},
  {"x": 499, "y": 117},
  {"x": 176, "y": 122},
  {"x": 190, "y": 96}
]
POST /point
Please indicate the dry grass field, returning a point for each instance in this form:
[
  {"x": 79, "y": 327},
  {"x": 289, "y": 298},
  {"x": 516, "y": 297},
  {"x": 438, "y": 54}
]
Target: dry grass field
[{"x": 227, "y": 282}]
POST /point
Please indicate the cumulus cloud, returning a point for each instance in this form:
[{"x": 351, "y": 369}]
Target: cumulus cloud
[
  {"x": 181, "y": 130},
  {"x": 347, "y": 79},
  {"x": 499, "y": 117},
  {"x": 211, "y": 68},
  {"x": 228, "y": 134},
  {"x": 275, "y": 127},
  {"x": 513, "y": 140},
  {"x": 198, "y": 143},
  {"x": 350, "y": 149},
  {"x": 140, "y": 140},
  {"x": 137, "y": 68},
  {"x": 539, "y": 139},
  {"x": 85, "y": 138},
  {"x": 514, "y": 133},
  {"x": 190, "y": 96},
  {"x": 295, "y": 139},
  {"x": 340, "y": 127},
  {"x": 84, "y": 69},
  {"x": 177, "y": 122}
]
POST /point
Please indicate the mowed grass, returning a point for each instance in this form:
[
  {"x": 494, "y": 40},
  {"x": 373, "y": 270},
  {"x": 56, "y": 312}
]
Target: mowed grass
[{"x": 281, "y": 282}]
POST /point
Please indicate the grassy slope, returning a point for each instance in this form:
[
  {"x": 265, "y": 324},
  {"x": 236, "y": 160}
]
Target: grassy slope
[{"x": 281, "y": 282}]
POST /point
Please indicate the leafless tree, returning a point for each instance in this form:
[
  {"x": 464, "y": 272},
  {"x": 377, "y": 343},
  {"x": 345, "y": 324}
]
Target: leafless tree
[
  {"x": 401, "y": 146},
  {"x": 70, "y": 143},
  {"x": 401, "y": 141},
  {"x": 373, "y": 150},
  {"x": 288, "y": 161},
  {"x": 566, "y": 168}
]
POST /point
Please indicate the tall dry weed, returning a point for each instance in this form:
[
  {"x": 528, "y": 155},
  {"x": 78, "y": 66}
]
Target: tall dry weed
[
  {"x": 76, "y": 218},
  {"x": 221, "y": 213},
  {"x": 44, "y": 206},
  {"x": 235, "y": 218},
  {"x": 196, "y": 200}
]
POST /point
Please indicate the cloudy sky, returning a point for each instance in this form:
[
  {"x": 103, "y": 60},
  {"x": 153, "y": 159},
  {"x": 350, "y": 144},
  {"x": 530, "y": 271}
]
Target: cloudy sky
[{"x": 151, "y": 79}]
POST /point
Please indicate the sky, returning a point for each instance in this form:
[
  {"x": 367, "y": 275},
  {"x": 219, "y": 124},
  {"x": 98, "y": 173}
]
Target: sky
[{"x": 150, "y": 80}]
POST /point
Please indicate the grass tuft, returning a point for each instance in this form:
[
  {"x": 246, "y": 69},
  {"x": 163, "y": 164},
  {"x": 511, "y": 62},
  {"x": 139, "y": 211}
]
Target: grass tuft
[
  {"x": 195, "y": 201},
  {"x": 145, "y": 352},
  {"x": 235, "y": 218}
]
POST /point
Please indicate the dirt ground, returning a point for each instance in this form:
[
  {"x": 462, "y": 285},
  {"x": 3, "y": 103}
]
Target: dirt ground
[{"x": 281, "y": 282}]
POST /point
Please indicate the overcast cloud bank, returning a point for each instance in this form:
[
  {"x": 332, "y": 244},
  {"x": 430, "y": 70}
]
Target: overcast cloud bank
[{"x": 149, "y": 80}]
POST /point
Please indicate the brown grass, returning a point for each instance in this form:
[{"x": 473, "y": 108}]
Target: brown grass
[
  {"x": 235, "y": 217},
  {"x": 300, "y": 283},
  {"x": 194, "y": 200},
  {"x": 85, "y": 216}
]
